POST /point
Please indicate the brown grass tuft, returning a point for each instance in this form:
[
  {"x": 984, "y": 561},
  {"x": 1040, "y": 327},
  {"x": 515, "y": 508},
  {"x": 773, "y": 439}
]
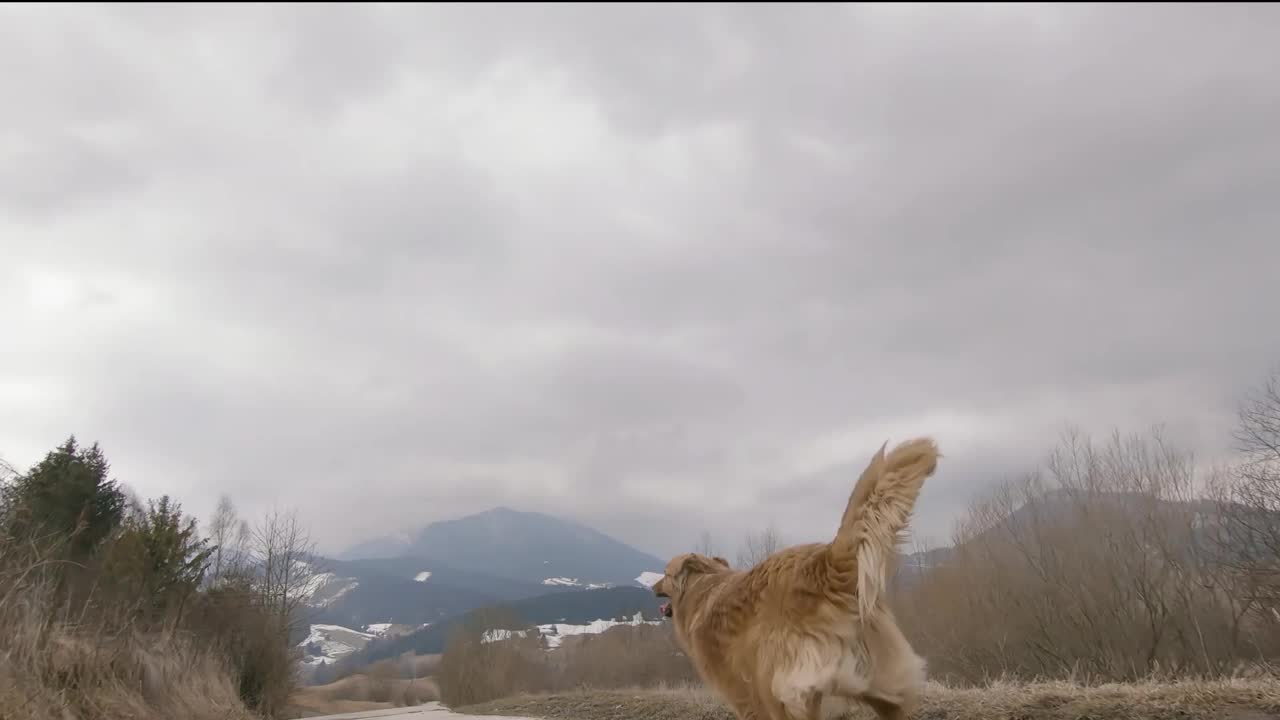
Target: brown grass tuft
[{"x": 375, "y": 690}]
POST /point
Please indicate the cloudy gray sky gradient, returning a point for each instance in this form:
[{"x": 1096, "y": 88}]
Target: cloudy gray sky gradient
[{"x": 658, "y": 268}]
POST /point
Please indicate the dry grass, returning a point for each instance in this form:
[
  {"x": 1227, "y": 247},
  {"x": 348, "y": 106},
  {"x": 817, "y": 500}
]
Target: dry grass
[
  {"x": 1253, "y": 699},
  {"x": 621, "y": 657},
  {"x": 133, "y": 677},
  {"x": 56, "y": 665},
  {"x": 419, "y": 665},
  {"x": 361, "y": 692}
]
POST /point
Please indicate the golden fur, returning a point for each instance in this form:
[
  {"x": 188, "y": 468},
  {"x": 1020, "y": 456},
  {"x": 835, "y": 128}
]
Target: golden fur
[{"x": 807, "y": 632}]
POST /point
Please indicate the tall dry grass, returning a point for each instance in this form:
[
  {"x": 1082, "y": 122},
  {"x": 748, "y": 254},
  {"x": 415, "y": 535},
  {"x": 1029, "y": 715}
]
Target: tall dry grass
[
  {"x": 624, "y": 656},
  {"x": 403, "y": 681},
  {"x": 62, "y": 660},
  {"x": 379, "y": 684}
]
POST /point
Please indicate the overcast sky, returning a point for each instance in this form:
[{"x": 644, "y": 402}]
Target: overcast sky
[{"x": 657, "y": 268}]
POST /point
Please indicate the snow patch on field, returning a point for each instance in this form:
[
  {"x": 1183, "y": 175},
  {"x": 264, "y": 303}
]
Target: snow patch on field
[
  {"x": 574, "y": 582},
  {"x": 333, "y": 642},
  {"x": 555, "y": 633}
]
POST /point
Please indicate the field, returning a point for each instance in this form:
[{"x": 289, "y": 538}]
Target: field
[
  {"x": 362, "y": 692},
  {"x": 1225, "y": 700}
]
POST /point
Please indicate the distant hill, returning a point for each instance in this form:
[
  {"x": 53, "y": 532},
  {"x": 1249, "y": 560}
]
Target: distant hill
[
  {"x": 519, "y": 546},
  {"x": 382, "y": 547},
  {"x": 1060, "y": 506},
  {"x": 452, "y": 566},
  {"x": 406, "y": 591},
  {"x": 573, "y": 607}
]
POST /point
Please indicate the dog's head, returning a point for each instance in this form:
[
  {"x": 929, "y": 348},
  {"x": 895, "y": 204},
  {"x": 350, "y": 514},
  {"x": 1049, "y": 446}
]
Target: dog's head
[{"x": 677, "y": 574}]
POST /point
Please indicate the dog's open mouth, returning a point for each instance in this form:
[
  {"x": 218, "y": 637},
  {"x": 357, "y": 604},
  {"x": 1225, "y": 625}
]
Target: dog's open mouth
[{"x": 659, "y": 589}]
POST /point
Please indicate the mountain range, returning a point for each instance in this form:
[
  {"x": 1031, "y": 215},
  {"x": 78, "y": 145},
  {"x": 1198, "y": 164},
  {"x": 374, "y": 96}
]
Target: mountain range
[
  {"x": 522, "y": 546},
  {"x": 500, "y": 556}
]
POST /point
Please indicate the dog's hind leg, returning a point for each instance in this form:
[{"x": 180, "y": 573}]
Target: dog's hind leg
[
  {"x": 814, "y": 707},
  {"x": 811, "y": 709},
  {"x": 897, "y": 673},
  {"x": 773, "y": 708},
  {"x": 744, "y": 708}
]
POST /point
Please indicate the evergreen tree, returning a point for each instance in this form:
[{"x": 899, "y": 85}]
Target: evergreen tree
[
  {"x": 177, "y": 555},
  {"x": 158, "y": 559},
  {"x": 66, "y": 496}
]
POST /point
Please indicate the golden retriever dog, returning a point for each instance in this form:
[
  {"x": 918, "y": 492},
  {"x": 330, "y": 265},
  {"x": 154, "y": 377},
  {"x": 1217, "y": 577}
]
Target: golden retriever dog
[{"x": 807, "y": 633}]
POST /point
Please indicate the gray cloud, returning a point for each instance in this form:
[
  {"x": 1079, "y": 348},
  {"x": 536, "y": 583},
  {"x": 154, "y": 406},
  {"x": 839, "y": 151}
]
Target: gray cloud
[{"x": 658, "y": 269}]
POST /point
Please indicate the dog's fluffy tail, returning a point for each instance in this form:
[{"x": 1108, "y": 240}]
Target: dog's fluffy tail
[{"x": 878, "y": 512}]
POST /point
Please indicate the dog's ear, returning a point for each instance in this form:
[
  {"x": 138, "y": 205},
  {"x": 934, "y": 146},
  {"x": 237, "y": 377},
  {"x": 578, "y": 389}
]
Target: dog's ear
[
  {"x": 722, "y": 561},
  {"x": 693, "y": 563}
]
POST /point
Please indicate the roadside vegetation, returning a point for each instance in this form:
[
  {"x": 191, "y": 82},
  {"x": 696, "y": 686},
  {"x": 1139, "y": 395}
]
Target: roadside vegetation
[{"x": 115, "y": 608}]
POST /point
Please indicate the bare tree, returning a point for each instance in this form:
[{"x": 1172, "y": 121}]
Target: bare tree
[
  {"x": 923, "y": 554},
  {"x": 1248, "y": 497},
  {"x": 285, "y": 562},
  {"x": 757, "y": 546},
  {"x": 1092, "y": 564},
  {"x": 706, "y": 545},
  {"x": 230, "y": 537},
  {"x": 1258, "y": 430}
]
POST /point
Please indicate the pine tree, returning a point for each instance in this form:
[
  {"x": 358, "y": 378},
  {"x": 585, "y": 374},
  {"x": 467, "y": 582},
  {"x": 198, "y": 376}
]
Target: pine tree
[
  {"x": 158, "y": 559},
  {"x": 176, "y": 557},
  {"x": 67, "y": 496}
]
